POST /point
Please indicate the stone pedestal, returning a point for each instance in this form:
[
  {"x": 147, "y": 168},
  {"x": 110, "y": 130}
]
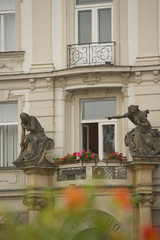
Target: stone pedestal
[
  {"x": 39, "y": 187},
  {"x": 141, "y": 169}
]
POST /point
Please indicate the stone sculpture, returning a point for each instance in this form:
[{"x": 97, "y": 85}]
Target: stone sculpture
[
  {"x": 34, "y": 142},
  {"x": 142, "y": 140}
]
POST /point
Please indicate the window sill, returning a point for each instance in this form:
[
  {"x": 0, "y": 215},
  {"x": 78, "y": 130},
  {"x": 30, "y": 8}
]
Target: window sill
[{"x": 11, "y": 61}]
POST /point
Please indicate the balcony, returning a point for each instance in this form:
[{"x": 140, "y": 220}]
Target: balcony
[{"x": 90, "y": 54}]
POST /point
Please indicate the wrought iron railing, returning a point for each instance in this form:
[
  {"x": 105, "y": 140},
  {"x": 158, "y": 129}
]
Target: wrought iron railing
[
  {"x": 91, "y": 54},
  {"x": 98, "y": 172}
]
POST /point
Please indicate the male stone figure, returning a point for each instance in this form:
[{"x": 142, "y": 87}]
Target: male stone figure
[
  {"x": 35, "y": 142},
  {"x": 142, "y": 140}
]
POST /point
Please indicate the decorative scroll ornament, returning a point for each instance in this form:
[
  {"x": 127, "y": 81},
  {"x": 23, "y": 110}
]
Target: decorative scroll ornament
[
  {"x": 49, "y": 83},
  {"x": 125, "y": 81},
  {"x": 32, "y": 84},
  {"x": 138, "y": 77},
  {"x": 156, "y": 76},
  {"x": 67, "y": 95},
  {"x": 92, "y": 78}
]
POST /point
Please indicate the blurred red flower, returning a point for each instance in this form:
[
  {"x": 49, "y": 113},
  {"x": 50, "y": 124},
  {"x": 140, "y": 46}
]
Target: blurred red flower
[
  {"x": 76, "y": 198},
  {"x": 123, "y": 198},
  {"x": 150, "y": 233}
]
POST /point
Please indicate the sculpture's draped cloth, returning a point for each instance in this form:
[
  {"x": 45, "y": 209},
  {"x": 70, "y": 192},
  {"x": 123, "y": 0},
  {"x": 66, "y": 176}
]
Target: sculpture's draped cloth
[
  {"x": 143, "y": 139},
  {"x": 35, "y": 143}
]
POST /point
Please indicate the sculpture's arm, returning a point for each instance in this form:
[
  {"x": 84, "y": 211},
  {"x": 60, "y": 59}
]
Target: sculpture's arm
[
  {"x": 22, "y": 136},
  {"x": 32, "y": 124},
  {"x": 118, "y": 116}
]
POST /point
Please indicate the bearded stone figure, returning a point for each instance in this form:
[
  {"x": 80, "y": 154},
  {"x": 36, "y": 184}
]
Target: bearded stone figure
[
  {"x": 34, "y": 142},
  {"x": 143, "y": 140}
]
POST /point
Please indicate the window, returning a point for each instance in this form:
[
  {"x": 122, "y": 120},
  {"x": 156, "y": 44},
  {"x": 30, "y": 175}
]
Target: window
[
  {"x": 98, "y": 133},
  {"x": 8, "y": 133},
  {"x": 94, "y": 21},
  {"x": 7, "y": 25}
]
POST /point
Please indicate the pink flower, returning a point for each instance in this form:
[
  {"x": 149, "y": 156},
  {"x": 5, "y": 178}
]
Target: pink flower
[
  {"x": 87, "y": 156},
  {"x": 79, "y": 154},
  {"x": 83, "y": 151},
  {"x": 92, "y": 156}
]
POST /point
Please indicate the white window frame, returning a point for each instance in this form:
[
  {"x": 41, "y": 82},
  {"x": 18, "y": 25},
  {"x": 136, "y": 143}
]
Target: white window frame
[
  {"x": 100, "y": 135},
  {"x": 2, "y": 163},
  {"x": 2, "y": 33},
  {"x": 94, "y": 19},
  {"x": 101, "y": 123}
]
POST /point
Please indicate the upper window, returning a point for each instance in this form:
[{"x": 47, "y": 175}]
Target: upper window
[
  {"x": 98, "y": 134},
  {"x": 94, "y": 21},
  {"x": 7, "y": 25},
  {"x": 8, "y": 133}
]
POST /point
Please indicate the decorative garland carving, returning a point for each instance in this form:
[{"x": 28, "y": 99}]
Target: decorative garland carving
[{"x": 92, "y": 78}]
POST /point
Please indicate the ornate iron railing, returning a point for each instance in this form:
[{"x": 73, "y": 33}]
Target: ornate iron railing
[
  {"x": 98, "y": 172},
  {"x": 91, "y": 54},
  {"x": 109, "y": 172},
  {"x": 71, "y": 173}
]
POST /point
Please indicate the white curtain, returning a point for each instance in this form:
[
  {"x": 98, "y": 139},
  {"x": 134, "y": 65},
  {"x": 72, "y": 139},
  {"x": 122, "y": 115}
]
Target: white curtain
[{"x": 8, "y": 133}]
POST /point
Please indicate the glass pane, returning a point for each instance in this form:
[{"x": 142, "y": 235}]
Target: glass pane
[
  {"x": 8, "y": 112},
  {"x": 7, "y": 5},
  {"x": 104, "y": 25},
  {"x": 98, "y": 109},
  {"x": 108, "y": 139},
  {"x": 84, "y": 26},
  {"x": 9, "y": 32},
  {"x": 78, "y": 2},
  {"x": 90, "y": 137},
  {"x": 0, "y": 35},
  {"x": 8, "y": 145}
]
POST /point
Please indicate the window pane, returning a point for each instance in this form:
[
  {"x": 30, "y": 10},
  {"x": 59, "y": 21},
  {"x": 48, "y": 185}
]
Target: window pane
[
  {"x": 9, "y": 32},
  {"x": 8, "y": 112},
  {"x": 108, "y": 139},
  {"x": 90, "y": 137},
  {"x": 0, "y": 36},
  {"x": 104, "y": 25},
  {"x": 84, "y": 26},
  {"x": 78, "y": 2},
  {"x": 98, "y": 109},
  {"x": 8, "y": 145},
  {"x": 7, "y": 5}
]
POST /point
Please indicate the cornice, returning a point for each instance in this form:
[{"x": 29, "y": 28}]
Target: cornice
[{"x": 114, "y": 70}]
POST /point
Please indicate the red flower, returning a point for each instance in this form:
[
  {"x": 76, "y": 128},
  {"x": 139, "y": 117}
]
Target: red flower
[
  {"x": 76, "y": 198},
  {"x": 122, "y": 197},
  {"x": 150, "y": 233}
]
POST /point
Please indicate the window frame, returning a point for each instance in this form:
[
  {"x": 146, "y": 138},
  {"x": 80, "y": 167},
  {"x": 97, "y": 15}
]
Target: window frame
[
  {"x": 94, "y": 19},
  {"x": 2, "y": 124},
  {"x": 17, "y": 12},
  {"x": 101, "y": 123}
]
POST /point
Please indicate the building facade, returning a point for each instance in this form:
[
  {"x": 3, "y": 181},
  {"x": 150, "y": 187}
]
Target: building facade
[{"x": 72, "y": 63}]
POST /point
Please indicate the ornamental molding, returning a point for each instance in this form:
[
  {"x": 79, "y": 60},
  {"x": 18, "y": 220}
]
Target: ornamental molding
[
  {"x": 49, "y": 82},
  {"x": 138, "y": 77},
  {"x": 92, "y": 78},
  {"x": 67, "y": 95},
  {"x": 34, "y": 201},
  {"x": 156, "y": 76},
  {"x": 125, "y": 81},
  {"x": 125, "y": 78},
  {"x": 32, "y": 84},
  {"x": 147, "y": 199}
]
